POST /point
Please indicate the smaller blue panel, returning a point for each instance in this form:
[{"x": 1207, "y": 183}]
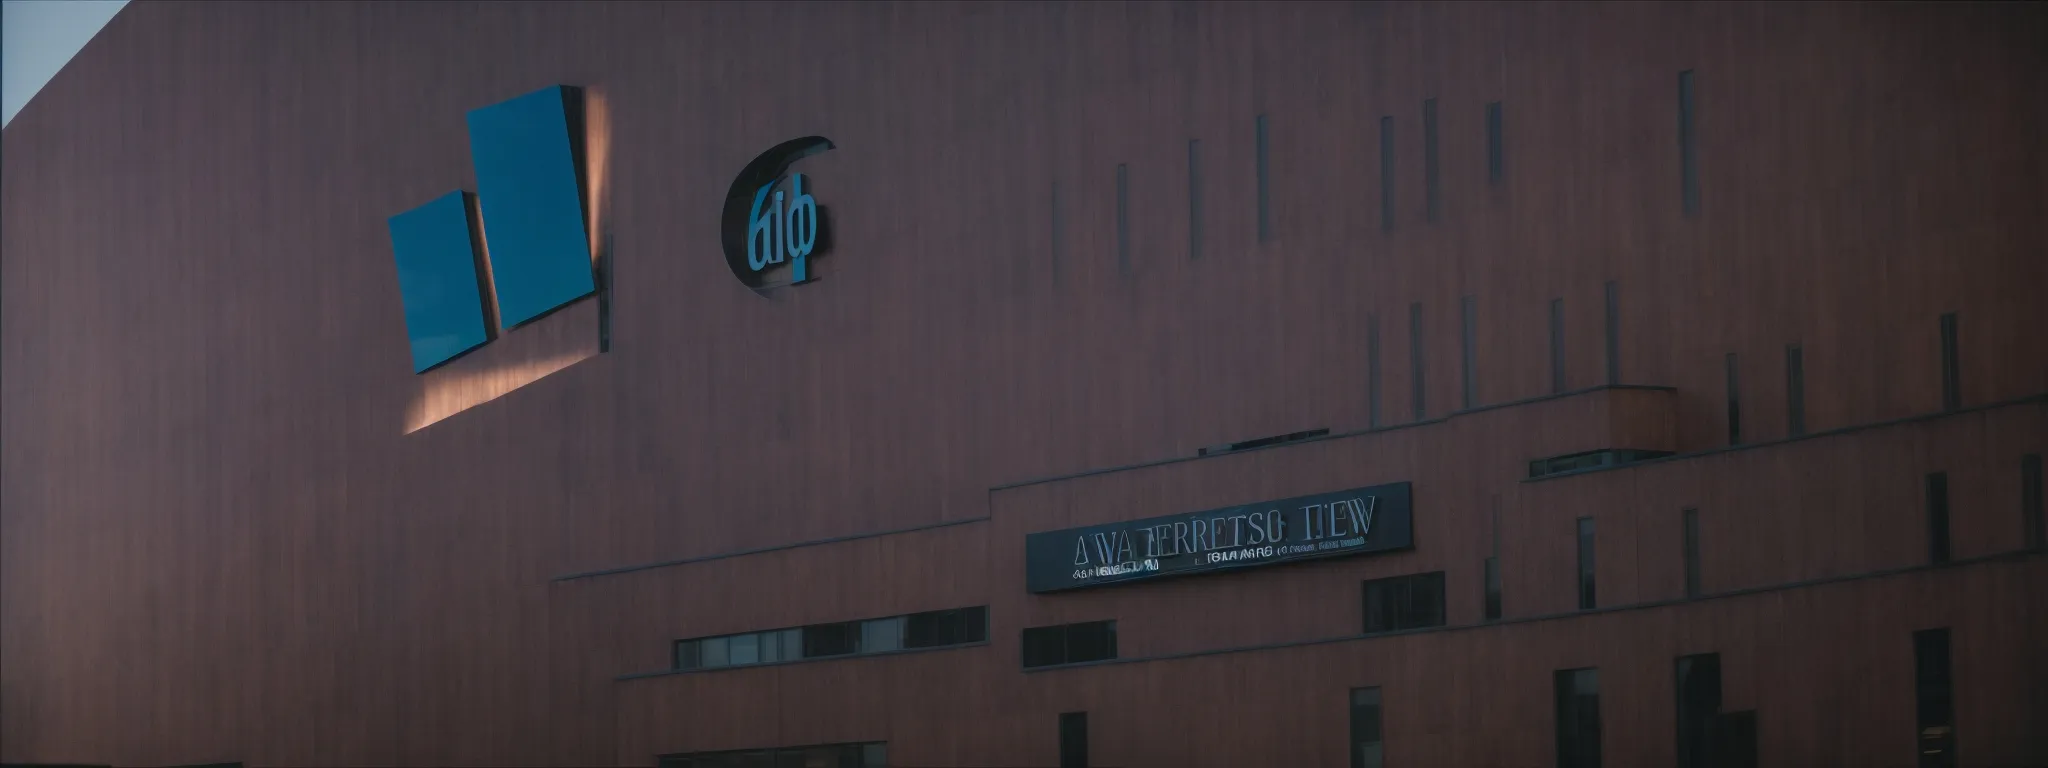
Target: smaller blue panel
[
  {"x": 444, "y": 313},
  {"x": 532, "y": 204}
]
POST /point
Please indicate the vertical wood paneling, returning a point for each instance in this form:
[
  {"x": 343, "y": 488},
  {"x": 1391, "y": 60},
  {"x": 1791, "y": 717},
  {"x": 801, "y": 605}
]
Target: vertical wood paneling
[{"x": 219, "y": 542}]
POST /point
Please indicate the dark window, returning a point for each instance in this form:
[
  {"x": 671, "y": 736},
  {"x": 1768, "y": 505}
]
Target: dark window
[
  {"x": 1734, "y": 403},
  {"x": 2030, "y": 501},
  {"x": 1372, "y": 364},
  {"x": 1937, "y": 517},
  {"x": 869, "y": 755},
  {"x": 1735, "y": 740},
  {"x": 837, "y": 639},
  {"x": 1365, "y": 728},
  {"x": 1492, "y": 588},
  {"x": 1091, "y": 641},
  {"x": 881, "y": 635},
  {"x": 1494, "y": 155},
  {"x": 743, "y": 649},
  {"x": 687, "y": 655},
  {"x": 1557, "y": 382},
  {"x": 1586, "y": 563},
  {"x": 1432, "y": 185},
  {"x": 1578, "y": 718},
  {"x": 1608, "y": 457},
  {"x": 1699, "y": 709},
  {"x": 1069, "y": 643},
  {"x": 1795, "y": 391},
  {"x": 1194, "y": 199},
  {"x": 1469, "y": 341},
  {"x": 1123, "y": 219},
  {"x": 1934, "y": 698},
  {"x": 1073, "y": 740},
  {"x": 1688, "y": 146},
  {"x": 713, "y": 651},
  {"x": 1415, "y": 356},
  {"x": 931, "y": 629},
  {"x": 1613, "y": 333},
  {"x": 1265, "y": 199},
  {"x": 940, "y": 628},
  {"x": 1262, "y": 442},
  {"x": 1387, "y": 173},
  {"x": 1951, "y": 366},
  {"x": 1404, "y": 602},
  {"x": 1692, "y": 552}
]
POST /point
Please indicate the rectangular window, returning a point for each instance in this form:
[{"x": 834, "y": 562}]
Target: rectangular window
[
  {"x": 1494, "y": 155},
  {"x": 1613, "y": 333},
  {"x": 1937, "y": 517},
  {"x": 869, "y": 755},
  {"x": 1372, "y": 368},
  {"x": 1557, "y": 381},
  {"x": 1578, "y": 717},
  {"x": 1735, "y": 742},
  {"x": 836, "y": 639},
  {"x": 1432, "y": 185},
  {"x": 1415, "y": 357},
  {"x": 1387, "y": 174},
  {"x": 1069, "y": 643},
  {"x": 743, "y": 649},
  {"x": 881, "y": 635},
  {"x": 1734, "y": 403},
  {"x": 1951, "y": 366},
  {"x": 1492, "y": 589},
  {"x": 1795, "y": 391},
  {"x": 688, "y": 655},
  {"x": 933, "y": 629},
  {"x": 1469, "y": 341},
  {"x": 1934, "y": 698},
  {"x": 1404, "y": 602},
  {"x": 1265, "y": 197},
  {"x": 1123, "y": 220},
  {"x": 1692, "y": 552},
  {"x": 1688, "y": 147},
  {"x": 712, "y": 651},
  {"x": 1073, "y": 740},
  {"x": 1194, "y": 199},
  {"x": 1365, "y": 728},
  {"x": 2030, "y": 501},
  {"x": 1586, "y": 600},
  {"x": 1699, "y": 706}
]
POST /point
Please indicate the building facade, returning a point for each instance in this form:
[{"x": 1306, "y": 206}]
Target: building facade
[{"x": 1171, "y": 384}]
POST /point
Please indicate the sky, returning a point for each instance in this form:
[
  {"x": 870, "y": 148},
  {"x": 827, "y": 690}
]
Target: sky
[{"x": 38, "y": 36}]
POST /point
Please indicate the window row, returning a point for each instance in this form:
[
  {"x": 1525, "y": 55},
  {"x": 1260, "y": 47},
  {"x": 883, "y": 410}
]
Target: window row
[
  {"x": 1069, "y": 644},
  {"x": 930, "y": 629}
]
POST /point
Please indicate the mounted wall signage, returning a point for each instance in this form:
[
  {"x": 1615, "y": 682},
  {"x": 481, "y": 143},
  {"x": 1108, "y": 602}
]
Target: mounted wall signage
[
  {"x": 1373, "y": 519},
  {"x": 458, "y": 293},
  {"x": 766, "y": 228}
]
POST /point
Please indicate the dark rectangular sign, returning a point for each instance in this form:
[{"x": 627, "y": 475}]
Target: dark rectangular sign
[{"x": 1372, "y": 519}]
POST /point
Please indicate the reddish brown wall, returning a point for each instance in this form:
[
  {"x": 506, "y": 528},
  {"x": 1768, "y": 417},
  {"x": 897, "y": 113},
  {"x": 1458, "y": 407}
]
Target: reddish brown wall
[{"x": 221, "y": 543}]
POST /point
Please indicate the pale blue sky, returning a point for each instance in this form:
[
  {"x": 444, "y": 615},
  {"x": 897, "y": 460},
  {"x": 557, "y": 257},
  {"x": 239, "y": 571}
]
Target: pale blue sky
[{"x": 38, "y": 36}]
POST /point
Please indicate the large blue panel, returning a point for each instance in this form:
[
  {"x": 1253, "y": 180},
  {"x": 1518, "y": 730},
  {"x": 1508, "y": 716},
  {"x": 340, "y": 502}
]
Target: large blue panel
[
  {"x": 532, "y": 204},
  {"x": 444, "y": 311}
]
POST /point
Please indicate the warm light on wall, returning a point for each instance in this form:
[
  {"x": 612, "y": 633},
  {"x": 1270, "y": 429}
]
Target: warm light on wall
[
  {"x": 597, "y": 157},
  {"x": 516, "y": 359},
  {"x": 454, "y": 392}
]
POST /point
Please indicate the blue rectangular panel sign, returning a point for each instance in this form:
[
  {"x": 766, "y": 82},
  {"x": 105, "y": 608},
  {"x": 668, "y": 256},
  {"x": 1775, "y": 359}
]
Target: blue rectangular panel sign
[
  {"x": 444, "y": 311},
  {"x": 532, "y": 204}
]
